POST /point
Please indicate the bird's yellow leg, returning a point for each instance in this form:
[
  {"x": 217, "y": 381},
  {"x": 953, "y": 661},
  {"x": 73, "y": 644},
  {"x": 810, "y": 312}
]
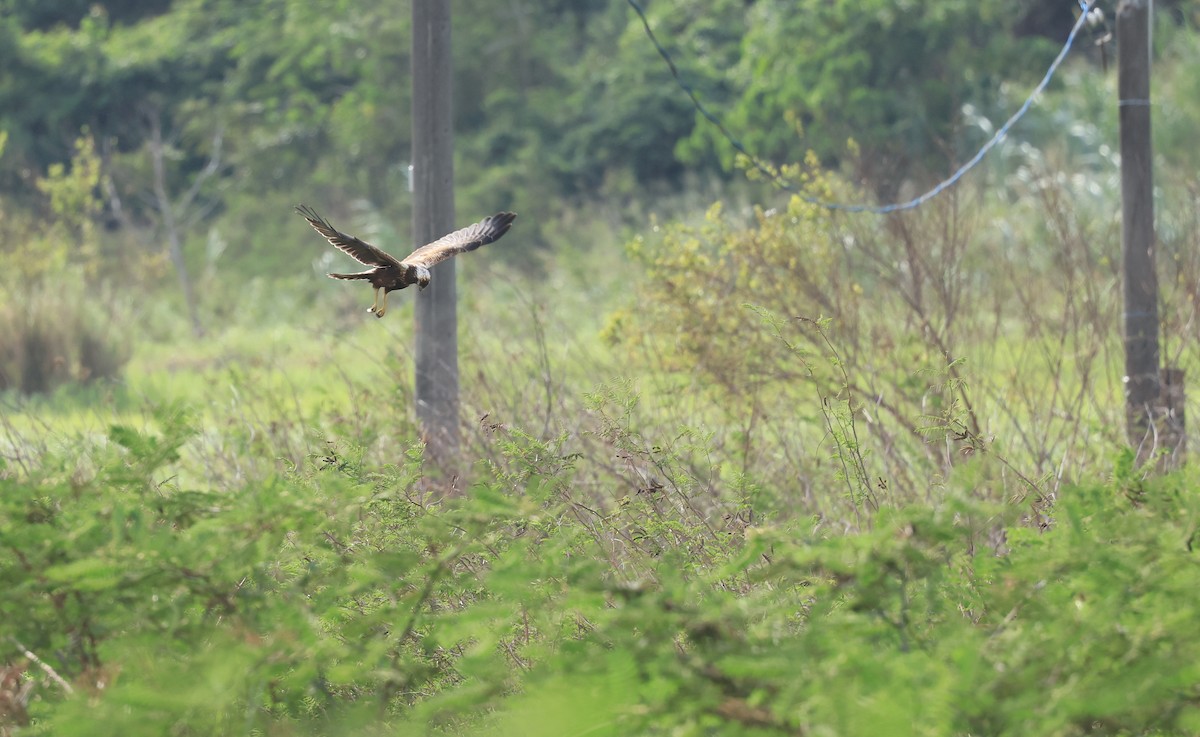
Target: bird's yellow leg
[
  {"x": 383, "y": 308},
  {"x": 376, "y": 302}
]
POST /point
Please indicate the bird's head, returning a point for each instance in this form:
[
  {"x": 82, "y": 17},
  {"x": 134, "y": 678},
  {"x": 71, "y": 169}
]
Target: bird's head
[{"x": 418, "y": 275}]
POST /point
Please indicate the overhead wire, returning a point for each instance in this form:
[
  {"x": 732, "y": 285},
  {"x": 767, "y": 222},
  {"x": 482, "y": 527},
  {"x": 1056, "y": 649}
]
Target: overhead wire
[{"x": 1085, "y": 5}]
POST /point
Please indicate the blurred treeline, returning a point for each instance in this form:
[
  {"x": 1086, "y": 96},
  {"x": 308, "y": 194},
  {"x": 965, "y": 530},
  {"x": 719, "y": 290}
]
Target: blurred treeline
[
  {"x": 230, "y": 111},
  {"x": 156, "y": 147}
]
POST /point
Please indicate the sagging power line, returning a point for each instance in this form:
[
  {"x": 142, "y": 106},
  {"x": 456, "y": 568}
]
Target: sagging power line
[{"x": 1087, "y": 8}]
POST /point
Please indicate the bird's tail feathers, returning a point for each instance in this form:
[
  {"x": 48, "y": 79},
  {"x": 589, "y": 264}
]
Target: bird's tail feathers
[{"x": 359, "y": 275}]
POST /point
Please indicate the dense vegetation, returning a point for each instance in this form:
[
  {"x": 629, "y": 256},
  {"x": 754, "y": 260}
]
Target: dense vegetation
[
  {"x": 338, "y": 599},
  {"x": 734, "y": 463}
]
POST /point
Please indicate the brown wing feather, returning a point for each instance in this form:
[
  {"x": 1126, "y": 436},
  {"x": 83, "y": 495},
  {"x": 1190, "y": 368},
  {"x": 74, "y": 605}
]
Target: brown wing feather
[
  {"x": 460, "y": 241},
  {"x": 360, "y": 250}
]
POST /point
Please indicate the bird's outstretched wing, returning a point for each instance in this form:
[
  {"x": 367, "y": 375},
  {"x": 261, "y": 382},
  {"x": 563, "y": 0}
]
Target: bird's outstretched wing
[
  {"x": 361, "y": 250},
  {"x": 460, "y": 241}
]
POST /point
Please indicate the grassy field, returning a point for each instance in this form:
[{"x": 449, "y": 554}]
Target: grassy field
[
  {"x": 771, "y": 472},
  {"x": 731, "y": 464}
]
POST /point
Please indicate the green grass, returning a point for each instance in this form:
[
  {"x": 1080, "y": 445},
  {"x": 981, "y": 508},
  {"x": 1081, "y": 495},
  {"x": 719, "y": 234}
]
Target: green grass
[
  {"x": 705, "y": 489},
  {"x": 278, "y": 381},
  {"x": 337, "y": 599},
  {"x": 765, "y": 471}
]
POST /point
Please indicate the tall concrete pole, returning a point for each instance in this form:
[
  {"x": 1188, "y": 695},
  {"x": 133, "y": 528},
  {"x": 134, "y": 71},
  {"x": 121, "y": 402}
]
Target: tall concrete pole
[{"x": 433, "y": 217}]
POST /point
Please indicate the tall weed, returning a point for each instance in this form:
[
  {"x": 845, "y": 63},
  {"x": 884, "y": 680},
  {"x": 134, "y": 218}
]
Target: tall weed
[{"x": 940, "y": 338}]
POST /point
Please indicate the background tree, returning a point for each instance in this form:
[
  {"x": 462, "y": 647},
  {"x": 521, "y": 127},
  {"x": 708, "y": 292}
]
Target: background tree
[{"x": 892, "y": 76}]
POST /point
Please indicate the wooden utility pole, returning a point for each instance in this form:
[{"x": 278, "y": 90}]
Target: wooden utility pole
[
  {"x": 1154, "y": 416},
  {"x": 433, "y": 217}
]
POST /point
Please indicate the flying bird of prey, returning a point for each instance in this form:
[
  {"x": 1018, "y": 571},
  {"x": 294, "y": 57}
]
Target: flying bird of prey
[{"x": 388, "y": 272}]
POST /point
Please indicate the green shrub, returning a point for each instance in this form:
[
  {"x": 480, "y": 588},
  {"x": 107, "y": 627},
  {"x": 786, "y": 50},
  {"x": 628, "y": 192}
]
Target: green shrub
[
  {"x": 339, "y": 599},
  {"x": 935, "y": 338},
  {"x": 59, "y": 322}
]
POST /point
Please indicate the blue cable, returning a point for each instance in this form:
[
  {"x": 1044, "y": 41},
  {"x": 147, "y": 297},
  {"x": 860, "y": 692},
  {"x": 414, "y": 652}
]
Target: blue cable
[{"x": 1085, "y": 5}]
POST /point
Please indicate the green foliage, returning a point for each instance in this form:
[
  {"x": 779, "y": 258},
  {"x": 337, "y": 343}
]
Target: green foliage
[
  {"x": 58, "y": 329},
  {"x": 834, "y": 476},
  {"x": 556, "y": 102},
  {"x": 891, "y": 76},
  {"x": 871, "y": 353},
  {"x": 68, "y": 238},
  {"x": 339, "y": 600}
]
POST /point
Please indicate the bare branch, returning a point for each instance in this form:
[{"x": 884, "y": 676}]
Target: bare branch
[
  {"x": 157, "y": 156},
  {"x": 167, "y": 211},
  {"x": 214, "y": 163},
  {"x": 66, "y": 687}
]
